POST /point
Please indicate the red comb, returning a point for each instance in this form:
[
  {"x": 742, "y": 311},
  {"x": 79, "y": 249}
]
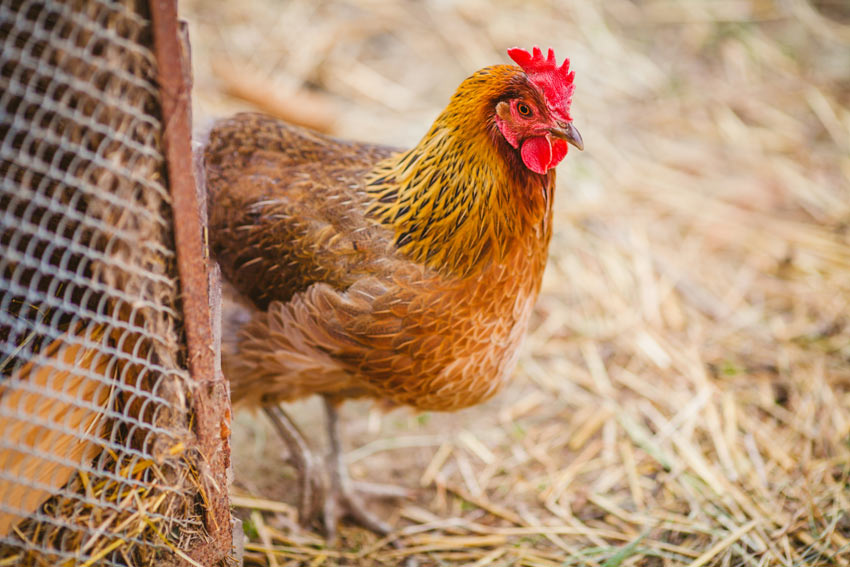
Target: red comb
[{"x": 555, "y": 82}]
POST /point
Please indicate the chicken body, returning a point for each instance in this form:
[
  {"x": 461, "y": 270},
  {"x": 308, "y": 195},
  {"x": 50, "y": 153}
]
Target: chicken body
[
  {"x": 405, "y": 276},
  {"x": 408, "y": 277}
]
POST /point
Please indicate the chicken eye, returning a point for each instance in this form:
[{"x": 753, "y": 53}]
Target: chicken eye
[{"x": 524, "y": 109}]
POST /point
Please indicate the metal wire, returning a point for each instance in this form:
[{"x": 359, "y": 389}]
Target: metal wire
[{"x": 94, "y": 428}]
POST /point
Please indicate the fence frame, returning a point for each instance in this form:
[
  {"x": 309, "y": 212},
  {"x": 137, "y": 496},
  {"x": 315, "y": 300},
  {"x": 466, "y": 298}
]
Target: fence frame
[{"x": 199, "y": 284}]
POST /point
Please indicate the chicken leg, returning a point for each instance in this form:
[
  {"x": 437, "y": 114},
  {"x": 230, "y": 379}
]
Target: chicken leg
[
  {"x": 307, "y": 467},
  {"x": 342, "y": 498}
]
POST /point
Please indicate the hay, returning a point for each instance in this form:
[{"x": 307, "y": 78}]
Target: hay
[
  {"x": 684, "y": 393},
  {"x": 127, "y": 518}
]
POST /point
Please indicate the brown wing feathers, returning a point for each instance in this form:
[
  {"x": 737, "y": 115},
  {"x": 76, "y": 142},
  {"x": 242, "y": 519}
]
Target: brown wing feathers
[{"x": 286, "y": 210}]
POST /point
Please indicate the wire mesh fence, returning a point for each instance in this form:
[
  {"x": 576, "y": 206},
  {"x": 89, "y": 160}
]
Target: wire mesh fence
[{"x": 97, "y": 460}]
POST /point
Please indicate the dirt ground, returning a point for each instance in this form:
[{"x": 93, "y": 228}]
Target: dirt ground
[{"x": 683, "y": 397}]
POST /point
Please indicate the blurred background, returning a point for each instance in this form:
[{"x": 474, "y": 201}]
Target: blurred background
[{"x": 683, "y": 394}]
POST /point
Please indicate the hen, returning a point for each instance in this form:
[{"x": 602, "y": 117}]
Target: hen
[{"x": 403, "y": 276}]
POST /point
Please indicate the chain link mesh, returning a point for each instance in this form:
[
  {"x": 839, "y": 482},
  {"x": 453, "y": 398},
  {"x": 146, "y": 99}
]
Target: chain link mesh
[{"x": 94, "y": 429}]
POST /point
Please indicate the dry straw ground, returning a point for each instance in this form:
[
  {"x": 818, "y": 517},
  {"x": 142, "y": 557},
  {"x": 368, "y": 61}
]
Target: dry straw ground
[{"x": 684, "y": 394}]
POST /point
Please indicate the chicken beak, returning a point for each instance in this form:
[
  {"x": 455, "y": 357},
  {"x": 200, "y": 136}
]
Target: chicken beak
[{"x": 569, "y": 133}]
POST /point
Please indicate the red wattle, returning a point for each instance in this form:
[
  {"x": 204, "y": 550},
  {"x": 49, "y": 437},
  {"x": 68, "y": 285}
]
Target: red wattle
[
  {"x": 559, "y": 150},
  {"x": 537, "y": 154}
]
